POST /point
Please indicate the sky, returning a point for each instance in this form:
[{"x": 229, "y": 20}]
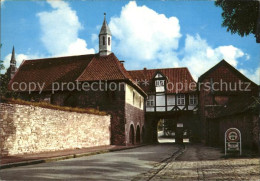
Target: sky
[{"x": 151, "y": 34}]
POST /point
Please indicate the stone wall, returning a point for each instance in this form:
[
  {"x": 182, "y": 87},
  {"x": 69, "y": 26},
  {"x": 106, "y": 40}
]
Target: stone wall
[{"x": 29, "y": 129}]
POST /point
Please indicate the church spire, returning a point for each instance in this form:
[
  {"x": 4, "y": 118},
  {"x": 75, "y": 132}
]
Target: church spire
[
  {"x": 105, "y": 38},
  {"x": 12, "y": 69},
  {"x": 13, "y": 60},
  {"x": 105, "y": 29}
]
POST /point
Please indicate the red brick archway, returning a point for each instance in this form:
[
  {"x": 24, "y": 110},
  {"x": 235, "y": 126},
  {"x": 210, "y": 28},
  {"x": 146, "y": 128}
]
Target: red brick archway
[
  {"x": 138, "y": 134},
  {"x": 132, "y": 135},
  {"x": 143, "y": 135}
]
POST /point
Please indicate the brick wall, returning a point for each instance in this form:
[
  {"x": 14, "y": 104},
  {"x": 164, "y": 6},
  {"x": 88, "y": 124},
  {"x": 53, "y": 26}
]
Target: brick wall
[
  {"x": 134, "y": 116},
  {"x": 29, "y": 129},
  {"x": 247, "y": 123}
]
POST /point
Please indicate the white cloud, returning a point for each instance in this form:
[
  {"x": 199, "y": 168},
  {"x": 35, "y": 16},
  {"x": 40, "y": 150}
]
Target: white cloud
[
  {"x": 142, "y": 32},
  {"x": 19, "y": 59},
  {"x": 148, "y": 39},
  {"x": 60, "y": 29},
  {"x": 199, "y": 56},
  {"x": 252, "y": 75}
]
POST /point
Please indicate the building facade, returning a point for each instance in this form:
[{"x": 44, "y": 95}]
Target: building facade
[
  {"x": 225, "y": 99},
  {"x": 137, "y": 100}
]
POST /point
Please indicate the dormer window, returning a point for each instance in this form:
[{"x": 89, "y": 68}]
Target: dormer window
[
  {"x": 159, "y": 83},
  {"x": 108, "y": 40}
]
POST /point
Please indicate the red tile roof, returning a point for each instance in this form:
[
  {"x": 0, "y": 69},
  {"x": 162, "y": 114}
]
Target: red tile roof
[
  {"x": 71, "y": 69},
  {"x": 104, "y": 68},
  {"x": 173, "y": 76},
  {"x": 223, "y": 70},
  {"x": 49, "y": 70},
  {"x": 226, "y": 73}
]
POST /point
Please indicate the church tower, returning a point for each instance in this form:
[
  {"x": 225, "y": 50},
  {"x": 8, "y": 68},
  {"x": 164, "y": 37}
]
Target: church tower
[
  {"x": 105, "y": 39},
  {"x": 12, "y": 69}
]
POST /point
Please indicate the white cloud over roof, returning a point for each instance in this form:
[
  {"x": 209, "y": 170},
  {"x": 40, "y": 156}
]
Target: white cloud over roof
[{"x": 60, "y": 28}]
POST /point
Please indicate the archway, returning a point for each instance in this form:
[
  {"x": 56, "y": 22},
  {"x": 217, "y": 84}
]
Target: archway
[
  {"x": 166, "y": 131},
  {"x": 143, "y": 135},
  {"x": 131, "y": 135},
  {"x": 138, "y": 134}
]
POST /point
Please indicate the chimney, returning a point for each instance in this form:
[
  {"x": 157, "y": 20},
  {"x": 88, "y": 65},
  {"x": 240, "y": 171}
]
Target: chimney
[{"x": 122, "y": 62}]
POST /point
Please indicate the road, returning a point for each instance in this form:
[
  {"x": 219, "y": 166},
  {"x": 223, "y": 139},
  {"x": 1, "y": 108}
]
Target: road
[
  {"x": 120, "y": 165},
  {"x": 199, "y": 162},
  {"x": 153, "y": 162}
]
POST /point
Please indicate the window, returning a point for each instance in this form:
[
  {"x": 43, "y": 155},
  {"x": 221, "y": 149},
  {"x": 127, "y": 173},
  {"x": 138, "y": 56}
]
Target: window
[
  {"x": 150, "y": 101},
  {"x": 159, "y": 83},
  {"x": 180, "y": 99},
  {"x": 104, "y": 43},
  {"x": 193, "y": 99},
  {"x": 133, "y": 98},
  {"x": 108, "y": 40}
]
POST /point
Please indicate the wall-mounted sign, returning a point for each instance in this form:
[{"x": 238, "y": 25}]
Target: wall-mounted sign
[
  {"x": 179, "y": 125},
  {"x": 233, "y": 141}
]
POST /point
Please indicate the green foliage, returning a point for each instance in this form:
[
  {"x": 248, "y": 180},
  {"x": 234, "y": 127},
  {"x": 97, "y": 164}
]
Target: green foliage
[
  {"x": 239, "y": 16},
  {"x": 160, "y": 125},
  {"x": 2, "y": 67},
  {"x": 4, "y": 92}
]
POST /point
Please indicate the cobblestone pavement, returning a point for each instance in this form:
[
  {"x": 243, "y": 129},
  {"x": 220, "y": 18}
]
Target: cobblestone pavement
[
  {"x": 199, "y": 162},
  {"x": 231, "y": 169}
]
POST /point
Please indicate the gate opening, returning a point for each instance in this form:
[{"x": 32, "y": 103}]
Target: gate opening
[
  {"x": 165, "y": 131},
  {"x": 172, "y": 131}
]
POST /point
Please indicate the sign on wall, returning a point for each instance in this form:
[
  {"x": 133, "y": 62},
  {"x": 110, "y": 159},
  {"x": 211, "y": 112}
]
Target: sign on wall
[
  {"x": 233, "y": 141},
  {"x": 179, "y": 125}
]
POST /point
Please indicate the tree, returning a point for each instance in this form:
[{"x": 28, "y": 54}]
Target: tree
[{"x": 240, "y": 16}]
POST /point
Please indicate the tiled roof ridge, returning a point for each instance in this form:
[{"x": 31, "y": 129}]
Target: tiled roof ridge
[
  {"x": 159, "y": 69},
  {"x": 190, "y": 75},
  {"x": 122, "y": 68},
  {"x": 126, "y": 74},
  {"x": 86, "y": 67},
  {"x": 59, "y": 57}
]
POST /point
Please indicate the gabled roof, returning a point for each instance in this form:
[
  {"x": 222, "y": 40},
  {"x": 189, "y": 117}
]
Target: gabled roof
[
  {"x": 104, "y": 68},
  {"x": 49, "y": 70},
  {"x": 173, "y": 75},
  {"x": 220, "y": 73},
  {"x": 71, "y": 69}
]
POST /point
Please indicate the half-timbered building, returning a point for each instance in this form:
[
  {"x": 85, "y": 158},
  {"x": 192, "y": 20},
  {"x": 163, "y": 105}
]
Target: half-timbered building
[{"x": 172, "y": 96}]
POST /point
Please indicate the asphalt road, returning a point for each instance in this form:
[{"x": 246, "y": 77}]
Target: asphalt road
[{"x": 120, "y": 165}]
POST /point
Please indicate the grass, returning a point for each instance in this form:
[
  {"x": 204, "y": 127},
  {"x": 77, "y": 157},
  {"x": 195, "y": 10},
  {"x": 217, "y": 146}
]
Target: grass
[{"x": 54, "y": 107}]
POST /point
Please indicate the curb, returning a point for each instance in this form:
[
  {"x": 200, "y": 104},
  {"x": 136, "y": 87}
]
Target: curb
[{"x": 58, "y": 158}]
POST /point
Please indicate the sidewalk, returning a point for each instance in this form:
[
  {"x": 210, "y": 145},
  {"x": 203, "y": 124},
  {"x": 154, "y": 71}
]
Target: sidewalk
[{"x": 28, "y": 159}]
